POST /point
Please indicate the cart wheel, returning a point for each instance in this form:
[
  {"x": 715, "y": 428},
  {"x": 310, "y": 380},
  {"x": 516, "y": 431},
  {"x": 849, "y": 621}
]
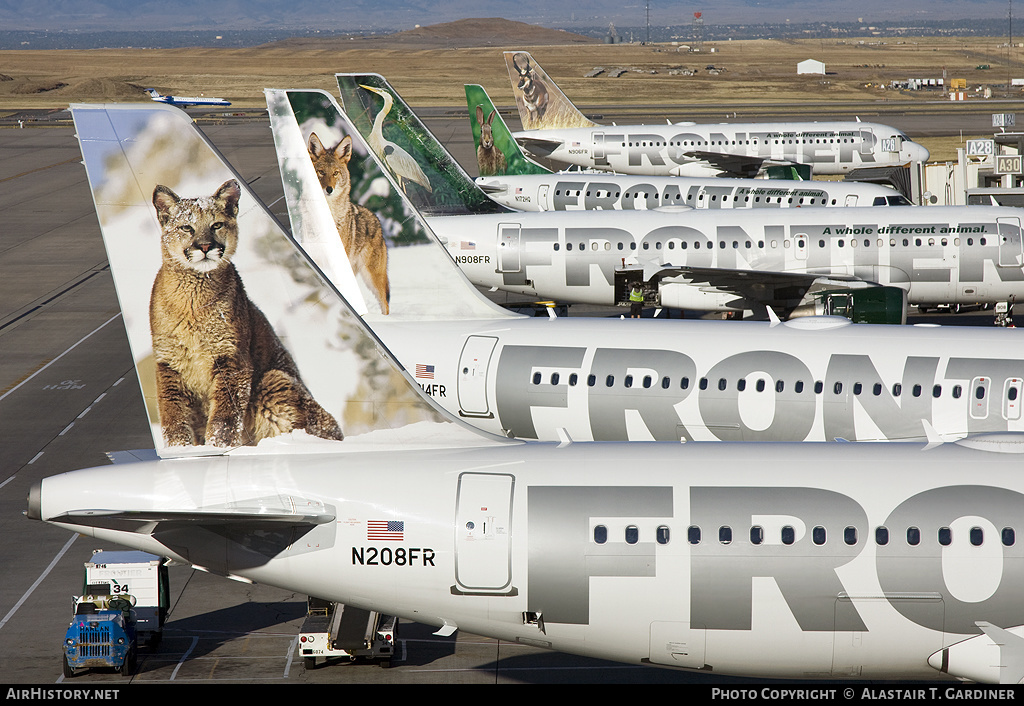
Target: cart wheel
[
  {"x": 385, "y": 664},
  {"x": 68, "y": 671},
  {"x": 309, "y": 662},
  {"x": 128, "y": 666}
]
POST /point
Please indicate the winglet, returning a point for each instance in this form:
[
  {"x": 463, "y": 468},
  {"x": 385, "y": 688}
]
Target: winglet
[{"x": 1011, "y": 652}]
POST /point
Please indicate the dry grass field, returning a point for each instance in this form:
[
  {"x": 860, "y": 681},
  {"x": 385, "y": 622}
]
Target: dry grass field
[{"x": 430, "y": 66}]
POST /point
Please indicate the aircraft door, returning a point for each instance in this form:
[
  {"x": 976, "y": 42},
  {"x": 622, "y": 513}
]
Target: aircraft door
[
  {"x": 1010, "y": 253},
  {"x": 867, "y": 144},
  {"x": 508, "y": 247},
  {"x": 979, "y": 397},
  {"x": 542, "y": 197},
  {"x": 473, "y": 364},
  {"x": 800, "y": 246},
  {"x": 851, "y": 200},
  {"x": 1011, "y": 399},
  {"x": 483, "y": 534},
  {"x": 599, "y": 151}
]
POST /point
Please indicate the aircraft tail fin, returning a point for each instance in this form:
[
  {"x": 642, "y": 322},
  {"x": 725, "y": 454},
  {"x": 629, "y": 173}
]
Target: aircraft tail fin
[
  {"x": 428, "y": 175},
  {"x": 240, "y": 343},
  {"x": 314, "y": 139},
  {"x": 542, "y": 105},
  {"x": 497, "y": 152}
]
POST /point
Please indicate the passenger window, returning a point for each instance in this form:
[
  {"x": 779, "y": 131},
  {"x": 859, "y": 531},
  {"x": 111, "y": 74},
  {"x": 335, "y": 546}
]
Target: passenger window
[
  {"x": 1008, "y": 536},
  {"x": 725, "y": 534},
  {"x": 665, "y": 382},
  {"x": 756, "y": 535},
  {"x": 779, "y": 385},
  {"x": 877, "y": 389},
  {"x": 818, "y": 535},
  {"x": 693, "y": 534},
  {"x": 722, "y": 383},
  {"x": 554, "y": 378},
  {"x": 600, "y": 534},
  {"x": 573, "y": 379},
  {"x": 536, "y": 378},
  {"x": 881, "y": 536},
  {"x": 857, "y": 388},
  {"x": 945, "y": 536},
  {"x": 684, "y": 383},
  {"x": 788, "y": 535},
  {"x": 591, "y": 380},
  {"x": 916, "y": 391},
  {"x": 957, "y": 391},
  {"x": 897, "y": 389},
  {"x": 818, "y": 387},
  {"x": 799, "y": 386},
  {"x": 850, "y": 535},
  {"x": 760, "y": 386},
  {"x": 632, "y": 534},
  {"x": 913, "y": 536},
  {"x": 609, "y": 381},
  {"x": 837, "y": 388},
  {"x": 936, "y": 390},
  {"x": 628, "y": 382},
  {"x": 977, "y": 536},
  {"x": 647, "y": 381},
  {"x": 741, "y": 384},
  {"x": 661, "y": 534},
  {"x": 703, "y": 383}
]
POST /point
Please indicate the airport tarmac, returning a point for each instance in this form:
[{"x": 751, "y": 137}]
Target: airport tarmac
[{"x": 68, "y": 394}]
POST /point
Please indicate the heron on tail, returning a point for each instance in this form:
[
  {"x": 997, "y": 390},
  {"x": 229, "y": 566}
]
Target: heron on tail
[{"x": 400, "y": 162}]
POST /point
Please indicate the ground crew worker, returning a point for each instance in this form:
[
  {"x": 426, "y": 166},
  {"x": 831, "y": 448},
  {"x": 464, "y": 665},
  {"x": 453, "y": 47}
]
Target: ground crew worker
[{"x": 636, "y": 301}]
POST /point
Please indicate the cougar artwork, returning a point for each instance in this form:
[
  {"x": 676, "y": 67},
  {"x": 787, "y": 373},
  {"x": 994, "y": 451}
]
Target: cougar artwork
[{"x": 223, "y": 376}]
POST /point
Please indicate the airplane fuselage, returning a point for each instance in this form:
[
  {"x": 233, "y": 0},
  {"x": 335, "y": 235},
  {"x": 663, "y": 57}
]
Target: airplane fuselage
[
  {"x": 806, "y": 380},
  {"x": 578, "y": 191},
  {"x": 937, "y": 254},
  {"x": 869, "y": 561},
  {"x": 683, "y": 149}
]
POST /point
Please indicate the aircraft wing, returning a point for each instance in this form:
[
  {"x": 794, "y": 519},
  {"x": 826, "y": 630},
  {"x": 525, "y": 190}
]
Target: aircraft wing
[
  {"x": 252, "y": 515},
  {"x": 782, "y": 291},
  {"x": 539, "y": 146},
  {"x": 730, "y": 164}
]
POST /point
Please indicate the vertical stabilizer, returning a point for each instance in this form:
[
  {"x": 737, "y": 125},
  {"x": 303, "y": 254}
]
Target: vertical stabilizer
[
  {"x": 238, "y": 339},
  {"x": 542, "y": 105},
  {"x": 497, "y": 152},
  {"x": 338, "y": 191},
  {"x": 431, "y": 179}
]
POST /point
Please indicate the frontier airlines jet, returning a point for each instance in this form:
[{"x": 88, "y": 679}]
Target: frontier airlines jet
[
  {"x": 815, "y": 378},
  {"x": 860, "y": 561},
  {"x": 724, "y": 260},
  {"x": 514, "y": 180},
  {"x": 553, "y": 128}
]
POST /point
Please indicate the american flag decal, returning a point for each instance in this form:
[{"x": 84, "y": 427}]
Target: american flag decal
[
  {"x": 519, "y": 189},
  {"x": 386, "y": 530},
  {"x": 424, "y": 371},
  {"x": 468, "y": 245}
]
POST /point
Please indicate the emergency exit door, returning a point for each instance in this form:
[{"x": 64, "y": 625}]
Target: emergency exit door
[
  {"x": 483, "y": 534},
  {"x": 473, "y": 364}
]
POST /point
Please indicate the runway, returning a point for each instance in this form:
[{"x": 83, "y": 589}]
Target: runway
[{"x": 68, "y": 394}]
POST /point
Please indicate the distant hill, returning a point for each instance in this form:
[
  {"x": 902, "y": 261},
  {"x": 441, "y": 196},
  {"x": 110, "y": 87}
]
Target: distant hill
[{"x": 485, "y": 32}]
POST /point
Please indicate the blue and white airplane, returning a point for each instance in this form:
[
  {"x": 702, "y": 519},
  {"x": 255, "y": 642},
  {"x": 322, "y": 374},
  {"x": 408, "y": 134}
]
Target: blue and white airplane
[{"x": 183, "y": 101}]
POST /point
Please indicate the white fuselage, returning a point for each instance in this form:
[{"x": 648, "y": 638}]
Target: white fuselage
[
  {"x": 871, "y": 561},
  {"x": 940, "y": 254},
  {"x": 584, "y": 191},
  {"x": 811, "y": 379},
  {"x": 683, "y": 149}
]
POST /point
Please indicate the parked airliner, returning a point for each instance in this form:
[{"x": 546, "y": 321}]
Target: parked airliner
[
  {"x": 553, "y": 128},
  {"x": 870, "y": 561},
  {"x": 817, "y": 378},
  {"x": 185, "y": 101},
  {"x": 514, "y": 180},
  {"x": 725, "y": 260}
]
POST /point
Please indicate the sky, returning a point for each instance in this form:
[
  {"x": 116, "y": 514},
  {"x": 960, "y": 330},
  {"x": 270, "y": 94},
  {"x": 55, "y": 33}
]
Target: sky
[{"x": 405, "y": 14}]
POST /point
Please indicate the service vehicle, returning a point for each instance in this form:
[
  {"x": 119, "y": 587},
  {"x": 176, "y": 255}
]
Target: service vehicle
[
  {"x": 102, "y": 634},
  {"x": 141, "y": 574},
  {"x": 337, "y": 630}
]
